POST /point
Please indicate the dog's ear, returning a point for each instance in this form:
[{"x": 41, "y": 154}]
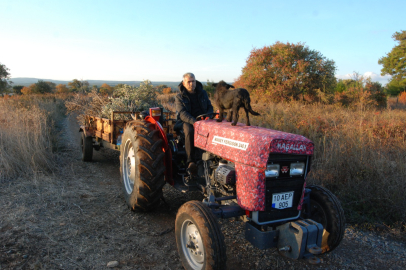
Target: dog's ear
[
  {"x": 214, "y": 84},
  {"x": 230, "y": 86}
]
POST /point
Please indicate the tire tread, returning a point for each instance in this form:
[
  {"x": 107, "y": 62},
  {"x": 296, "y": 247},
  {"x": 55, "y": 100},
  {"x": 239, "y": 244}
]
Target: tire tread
[{"x": 151, "y": 168}]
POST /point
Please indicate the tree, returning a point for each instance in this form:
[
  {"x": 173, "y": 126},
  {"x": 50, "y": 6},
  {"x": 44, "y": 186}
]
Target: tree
[
  {"x": 287, "y": 71},
  {"x": 119, "y": 86},
  {"x": 4, "y": 78},
  {"x": 17, "y": 89},
  {"x": 41, "y": 87},
  {"x": 377, "y": 92},
  {"x": 344, "y": 85},
  {"x": 79, "y": 86},
  {"x": 160, "y": 88},
  {"x": 167, "y": 90},
  {"x": 106, "y": 89},
  {"x": 61, "y": 88},
  {"x": 209, "y": 88},
  {"x": 394, "y": 64},
  {"x": 52, "y": 85},
  {"x": 26, "y": 90}
]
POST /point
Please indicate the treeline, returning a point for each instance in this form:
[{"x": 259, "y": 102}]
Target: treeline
[
  {"x": 287, "y": 71},
  {"x": 277, "y": 73},
  {"x": 75, "y": 86}
]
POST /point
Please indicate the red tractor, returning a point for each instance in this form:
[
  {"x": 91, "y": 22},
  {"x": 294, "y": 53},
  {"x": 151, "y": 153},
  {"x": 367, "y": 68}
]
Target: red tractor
[{"x": 254, "y": 173}]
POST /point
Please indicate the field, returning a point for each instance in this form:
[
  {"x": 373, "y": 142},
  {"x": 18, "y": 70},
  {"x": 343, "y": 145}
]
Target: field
[
  {"x": 58, "y": 212},
  {"x": 359, "y": 152}
]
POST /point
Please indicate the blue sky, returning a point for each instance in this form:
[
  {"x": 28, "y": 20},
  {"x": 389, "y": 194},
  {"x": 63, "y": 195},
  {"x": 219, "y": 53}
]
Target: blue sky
[{"x": 161, "y": 40}]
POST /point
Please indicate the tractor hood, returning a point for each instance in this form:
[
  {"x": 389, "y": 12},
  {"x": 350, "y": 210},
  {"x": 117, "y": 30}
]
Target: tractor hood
[{"x": 248, "y": 145}]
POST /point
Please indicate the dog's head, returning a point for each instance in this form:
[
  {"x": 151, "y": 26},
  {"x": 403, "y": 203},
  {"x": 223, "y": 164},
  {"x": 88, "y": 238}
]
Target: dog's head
[{"x": 222, "y": 84}]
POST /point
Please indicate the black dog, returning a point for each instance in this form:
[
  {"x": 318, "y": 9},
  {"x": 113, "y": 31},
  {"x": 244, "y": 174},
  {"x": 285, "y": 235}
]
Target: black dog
[{"x": 234, "y": 100}]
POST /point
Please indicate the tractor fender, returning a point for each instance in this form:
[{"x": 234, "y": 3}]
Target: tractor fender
[
  {"x": 165, "y": 148},
  {"x": 86, "y": 131}
]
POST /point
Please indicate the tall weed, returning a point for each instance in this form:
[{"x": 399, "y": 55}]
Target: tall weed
[{"x": 28, "y": 134}]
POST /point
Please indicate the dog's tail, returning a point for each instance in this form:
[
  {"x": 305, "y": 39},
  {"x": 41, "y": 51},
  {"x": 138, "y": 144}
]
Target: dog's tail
[{"x": 248, "y": 107}]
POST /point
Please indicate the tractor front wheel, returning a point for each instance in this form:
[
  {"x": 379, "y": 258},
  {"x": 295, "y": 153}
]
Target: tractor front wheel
[
  {"x": 199, "y": 238},
  {"x": 142, "y": 165},
  {"x": 326, "y": 210}
]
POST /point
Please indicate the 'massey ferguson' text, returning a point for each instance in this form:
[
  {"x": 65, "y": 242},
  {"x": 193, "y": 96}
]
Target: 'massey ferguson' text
[{"x": 230, "y": 143}]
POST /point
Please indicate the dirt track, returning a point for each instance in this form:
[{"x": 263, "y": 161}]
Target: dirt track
[{"x": 78, "y": 219}]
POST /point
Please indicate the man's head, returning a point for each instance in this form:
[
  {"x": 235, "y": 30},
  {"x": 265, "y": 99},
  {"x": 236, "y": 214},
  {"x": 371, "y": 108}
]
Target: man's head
[{"x": 189, "y": 82}]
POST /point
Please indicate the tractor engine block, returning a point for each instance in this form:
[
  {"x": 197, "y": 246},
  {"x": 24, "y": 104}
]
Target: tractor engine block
[{"x": 225, "y": 175}]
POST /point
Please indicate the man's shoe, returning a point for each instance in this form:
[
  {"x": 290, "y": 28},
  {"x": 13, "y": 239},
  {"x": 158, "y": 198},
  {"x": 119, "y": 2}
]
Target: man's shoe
[{"x": 192, "y": 168}]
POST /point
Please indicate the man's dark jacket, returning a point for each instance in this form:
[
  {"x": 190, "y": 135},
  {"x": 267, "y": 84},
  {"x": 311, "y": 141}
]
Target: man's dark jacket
[{"x": 183, "y": 104}]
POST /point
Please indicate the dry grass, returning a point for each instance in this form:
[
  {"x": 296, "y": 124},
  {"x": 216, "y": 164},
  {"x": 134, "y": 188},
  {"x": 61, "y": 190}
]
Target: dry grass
[
  {"x": 28, "y": 134},
  {"x": 359, "y": 154}
]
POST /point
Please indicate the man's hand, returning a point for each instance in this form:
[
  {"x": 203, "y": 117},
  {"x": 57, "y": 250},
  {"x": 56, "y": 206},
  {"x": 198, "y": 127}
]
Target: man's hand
[{"x": 206, "y": 116}]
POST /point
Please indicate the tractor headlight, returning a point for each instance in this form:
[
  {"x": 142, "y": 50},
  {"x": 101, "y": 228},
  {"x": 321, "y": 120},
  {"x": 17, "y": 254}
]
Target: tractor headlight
[
  {"x": 297, "y": 168},
  {"x": 272, "y": 170}
]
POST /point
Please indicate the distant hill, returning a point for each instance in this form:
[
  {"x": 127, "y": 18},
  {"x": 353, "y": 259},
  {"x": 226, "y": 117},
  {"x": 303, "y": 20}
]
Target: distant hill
[{"x": 29, "y": 81}]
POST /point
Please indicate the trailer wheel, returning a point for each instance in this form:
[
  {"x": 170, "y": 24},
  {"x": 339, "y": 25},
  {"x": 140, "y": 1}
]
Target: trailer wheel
[
  {"x": 199, "y": 238},
  {"x": 142, "y": 165},
  {"x": 86, "y": 144},
  {"x": 326, "y": 209}
]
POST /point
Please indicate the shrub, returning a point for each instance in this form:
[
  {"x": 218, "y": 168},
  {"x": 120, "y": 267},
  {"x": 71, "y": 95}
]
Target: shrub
[
  {"x": 377, "y": 93},
  {"x": 26, "y": 90},
  {"x": 167, "y": 91},
  {"x": 125, "y": 98},
  {"x": 402, "y": 98},
  {"x": 130, "y": 98},
  {"x": 360, "y": 92}
]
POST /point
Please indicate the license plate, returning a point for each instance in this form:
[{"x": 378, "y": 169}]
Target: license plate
[{"x": 282, "y": 200}]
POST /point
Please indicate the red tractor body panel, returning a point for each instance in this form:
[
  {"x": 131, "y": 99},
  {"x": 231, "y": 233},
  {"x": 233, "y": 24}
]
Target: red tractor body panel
[{"x": 249, "y": 148}]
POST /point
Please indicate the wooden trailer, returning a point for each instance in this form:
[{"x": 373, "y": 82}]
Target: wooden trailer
[{"x": 102, "y": 132}]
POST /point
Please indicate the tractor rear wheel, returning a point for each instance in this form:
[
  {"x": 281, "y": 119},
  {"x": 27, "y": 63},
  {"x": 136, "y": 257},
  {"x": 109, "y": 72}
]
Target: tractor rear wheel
[
  {"x": 199, "y": 238},
  {"x": 142, "y": 165},
  {"x": 326, "y": 210},
  {"x": 86, "y": 144}
]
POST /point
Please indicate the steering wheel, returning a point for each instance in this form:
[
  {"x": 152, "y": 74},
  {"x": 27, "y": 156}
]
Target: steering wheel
[{"x": 203, "y": 116}]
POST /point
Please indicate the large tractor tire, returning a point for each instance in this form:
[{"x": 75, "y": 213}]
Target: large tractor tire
[
  {"x": 199, "y": 238},
  {"x": 326, "y": 210},
  {"x": 86, "y": 144},
  {"x": 142, "y": 165}
]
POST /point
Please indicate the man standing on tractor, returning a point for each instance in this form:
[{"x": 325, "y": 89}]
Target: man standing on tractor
[{"x": 191, "y": 102}]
